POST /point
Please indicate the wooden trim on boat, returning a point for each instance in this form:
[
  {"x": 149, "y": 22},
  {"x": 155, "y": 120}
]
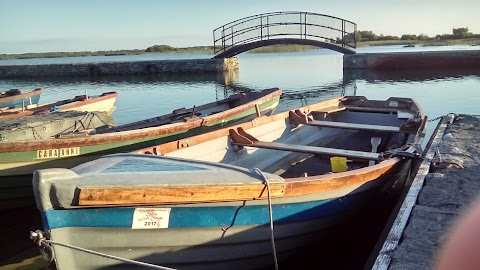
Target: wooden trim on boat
[
  {"x": 244, "y": 139},
  {"x": 84, "y": 100},
  {"x": 35, "y": 92},
  {"x": 184, "y": 194},
  {"x": 118, "y": 196},
  {"x": 327, "y": 182}
]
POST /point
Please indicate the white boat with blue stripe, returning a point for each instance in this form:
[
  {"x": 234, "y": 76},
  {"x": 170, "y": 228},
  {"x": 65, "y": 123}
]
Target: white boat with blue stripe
[{"x": 243, "y": 197}]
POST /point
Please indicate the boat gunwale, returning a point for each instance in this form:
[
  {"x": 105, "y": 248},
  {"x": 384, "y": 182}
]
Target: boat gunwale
[
  {"x": 291, "y": 187},
  {"x": 35, "y": 92}
]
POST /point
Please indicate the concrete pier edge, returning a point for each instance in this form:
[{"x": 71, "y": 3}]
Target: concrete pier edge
[
  {"x": 445, "y": 186},
  {"x": 391, "y": 242},
  {"x": 150, "y": 67},
  {"x": 412, "y": 60}
]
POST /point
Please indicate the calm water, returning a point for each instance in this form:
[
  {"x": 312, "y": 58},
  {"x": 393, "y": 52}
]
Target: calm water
[{"x": 304, "y": 77}]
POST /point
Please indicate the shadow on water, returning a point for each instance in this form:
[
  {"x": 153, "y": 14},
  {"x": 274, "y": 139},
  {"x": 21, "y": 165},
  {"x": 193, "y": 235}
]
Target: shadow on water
[{"x": 16, "y": 223}]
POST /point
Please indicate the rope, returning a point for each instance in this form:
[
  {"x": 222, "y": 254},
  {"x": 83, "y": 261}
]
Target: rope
[
  {"x": 38, "y": 237},
  {"x": 35, "y": 133},
  {"x": 450, "y": 116},
  {"x": 101, "y": 120},
  {"x": 272, "y": 237}
]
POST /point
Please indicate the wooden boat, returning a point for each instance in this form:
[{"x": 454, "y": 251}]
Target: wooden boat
[
  {"x": 210, "y": 201},
  {"x": 18, "y": 159},
  {"x": 14, "y": 98},
  {"x": 85, "y": 103}
]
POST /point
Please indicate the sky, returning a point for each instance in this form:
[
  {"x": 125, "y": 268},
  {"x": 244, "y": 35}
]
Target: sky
[{"x": 94, "y": 25}]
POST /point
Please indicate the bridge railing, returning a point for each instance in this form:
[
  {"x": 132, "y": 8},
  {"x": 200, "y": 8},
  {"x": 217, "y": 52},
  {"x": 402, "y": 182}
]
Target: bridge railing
[{"x": 290, "y": 24}]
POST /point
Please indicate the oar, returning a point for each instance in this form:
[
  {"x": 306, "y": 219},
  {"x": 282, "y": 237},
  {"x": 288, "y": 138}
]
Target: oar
[{"x": 375, "y": 141}]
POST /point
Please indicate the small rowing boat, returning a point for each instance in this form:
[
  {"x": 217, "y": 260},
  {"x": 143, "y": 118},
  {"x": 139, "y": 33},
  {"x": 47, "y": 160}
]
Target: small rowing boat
[
  {"x": 83, "y": 103},
  {"x": 210, "y": 201}
]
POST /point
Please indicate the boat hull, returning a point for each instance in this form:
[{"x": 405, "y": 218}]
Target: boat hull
[
  {"x": 235, "y": 197},
  {"x": 107, "y": 105},
  {"x": 233, "y": 235},
  {"x": 101, "y": 103}
]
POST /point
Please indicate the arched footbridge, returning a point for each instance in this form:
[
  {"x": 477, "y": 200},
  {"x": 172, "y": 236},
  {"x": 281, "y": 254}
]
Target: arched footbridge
[{"x": 292, "y": 27}]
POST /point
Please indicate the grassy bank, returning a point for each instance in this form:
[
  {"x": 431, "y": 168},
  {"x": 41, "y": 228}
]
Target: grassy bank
[
  {"x": 449, "y": 42},
  {"x": 191, "y": 50},
  {"x": 206, "y": 50}
]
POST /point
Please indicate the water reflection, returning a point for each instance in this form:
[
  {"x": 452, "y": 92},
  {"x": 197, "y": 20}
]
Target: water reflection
[
  {"x": 222, "y": 78},
  {"x": 139, "y": 97},
  {"x": 304, "y": 77}
]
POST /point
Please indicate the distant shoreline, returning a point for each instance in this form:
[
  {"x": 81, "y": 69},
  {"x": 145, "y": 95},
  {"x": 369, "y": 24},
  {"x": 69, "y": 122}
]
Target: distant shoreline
[{"x": 207, "y": 50}]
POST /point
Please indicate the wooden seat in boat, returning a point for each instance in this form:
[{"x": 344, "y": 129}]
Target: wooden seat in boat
[
  {"x": 298, "y": 117},
  {"x": 330, "y": 109},
  {"x": 241, "y": 137}
]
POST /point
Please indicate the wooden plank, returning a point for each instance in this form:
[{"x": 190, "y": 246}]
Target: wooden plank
[
  {"x": 244, "y": 139},
  {"x": 300, "y": 118},
  {"x": 384, "y": 257},
  {"x": 313, "y": 150},
  {"x": 179, "y": 194},
  {"x": 373, "y": 109},
  {"x": 344, "y": 125}
]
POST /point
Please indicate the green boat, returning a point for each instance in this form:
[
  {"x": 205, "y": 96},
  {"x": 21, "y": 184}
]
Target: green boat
[{"x": 20, "y": 158}]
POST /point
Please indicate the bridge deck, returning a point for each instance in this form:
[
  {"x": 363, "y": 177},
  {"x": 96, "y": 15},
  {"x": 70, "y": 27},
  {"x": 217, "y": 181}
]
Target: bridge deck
[{"x": 303, "y": 28}]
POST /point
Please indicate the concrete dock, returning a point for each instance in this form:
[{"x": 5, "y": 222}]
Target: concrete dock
[
  {"x": 413, "y": 60},
  {"x": 178, "y": 66},
  {"x": 436, "y": 198}
]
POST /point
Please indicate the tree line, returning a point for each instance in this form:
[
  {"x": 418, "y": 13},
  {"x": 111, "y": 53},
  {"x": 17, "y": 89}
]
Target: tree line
[{"x": 457, "y": 33}]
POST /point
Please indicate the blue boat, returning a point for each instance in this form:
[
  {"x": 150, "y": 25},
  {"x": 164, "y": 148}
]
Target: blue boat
[
  {"x": 14, "y": 98},
  {"x": 243, "y": 197}
]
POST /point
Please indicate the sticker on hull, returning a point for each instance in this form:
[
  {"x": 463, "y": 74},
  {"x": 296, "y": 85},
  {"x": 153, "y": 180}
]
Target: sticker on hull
[{"x": 150, "y": 218}]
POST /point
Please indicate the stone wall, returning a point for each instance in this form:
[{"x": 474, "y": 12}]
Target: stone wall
[
  {"x": 413, "y": 60},
  {"x": 122, "y": 68}
]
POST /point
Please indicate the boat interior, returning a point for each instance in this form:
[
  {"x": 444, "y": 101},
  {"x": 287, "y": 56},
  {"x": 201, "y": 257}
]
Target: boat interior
[
  {"x": 303, "y": 144},
  {"x": 179, "y": 115}
]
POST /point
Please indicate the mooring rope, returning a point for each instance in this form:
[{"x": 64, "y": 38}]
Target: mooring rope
[
  {"x": 272, "y": 236},
  {"x": 41, "y": 241}
]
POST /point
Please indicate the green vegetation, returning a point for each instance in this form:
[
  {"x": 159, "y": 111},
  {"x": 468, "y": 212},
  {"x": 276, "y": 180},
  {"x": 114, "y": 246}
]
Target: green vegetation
[
  {"x": 364, "y": 38},
  {"x": 161, "y": 49},
  {"x": 448, "y": 42},
  {"x": 152, "y": 49},
  {"x": 69, "y": 54},
  {"x": 458, "y": 36}
]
